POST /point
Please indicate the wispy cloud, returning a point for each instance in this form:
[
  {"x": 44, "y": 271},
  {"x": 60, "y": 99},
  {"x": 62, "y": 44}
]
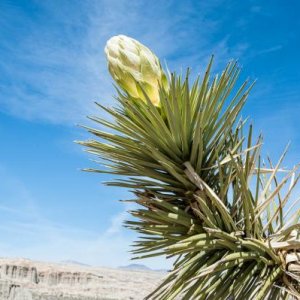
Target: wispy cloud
[
  {"x": 270, "y": 49},
  {"x": 256, "y": 9},
  {"x": 55, "y": 68}
]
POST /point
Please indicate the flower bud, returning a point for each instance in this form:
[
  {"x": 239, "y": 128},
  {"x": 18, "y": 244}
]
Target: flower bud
[{"x": 132, "y": 64}]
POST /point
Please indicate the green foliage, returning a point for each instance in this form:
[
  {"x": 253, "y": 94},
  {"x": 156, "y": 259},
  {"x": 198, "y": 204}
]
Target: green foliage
[{"x": 204, "y": 195}]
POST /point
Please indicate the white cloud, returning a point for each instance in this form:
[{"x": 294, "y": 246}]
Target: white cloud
[
  {"x": 57, "y": 69},
  {"x": 116, "y": 225}
]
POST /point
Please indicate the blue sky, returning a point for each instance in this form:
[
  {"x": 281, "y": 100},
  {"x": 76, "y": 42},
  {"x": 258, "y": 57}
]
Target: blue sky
[{"x": 53, "y": 67}]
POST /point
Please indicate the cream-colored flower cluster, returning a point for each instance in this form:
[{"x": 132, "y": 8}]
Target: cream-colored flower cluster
[{"x": 132, "y": 64}]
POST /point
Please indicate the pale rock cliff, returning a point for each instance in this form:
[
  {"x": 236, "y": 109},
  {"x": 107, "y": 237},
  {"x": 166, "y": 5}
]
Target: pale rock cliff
[{"x": 22, "y": 279}]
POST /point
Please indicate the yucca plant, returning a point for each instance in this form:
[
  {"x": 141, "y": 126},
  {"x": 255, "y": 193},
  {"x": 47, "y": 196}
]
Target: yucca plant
[{"x": 204, "y": 194}]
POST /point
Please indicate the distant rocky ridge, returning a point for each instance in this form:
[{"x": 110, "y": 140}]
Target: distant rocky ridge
[
  {"x": 74, "y": 262},
  {"x": 22, "y": 279},
  {"x": 141, "y": 268},
  {"x": 136, "y": 267}
]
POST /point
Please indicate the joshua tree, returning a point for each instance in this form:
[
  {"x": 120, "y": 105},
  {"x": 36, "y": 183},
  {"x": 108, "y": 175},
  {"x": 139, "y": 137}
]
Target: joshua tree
[{"x": 204, "y": 195}]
